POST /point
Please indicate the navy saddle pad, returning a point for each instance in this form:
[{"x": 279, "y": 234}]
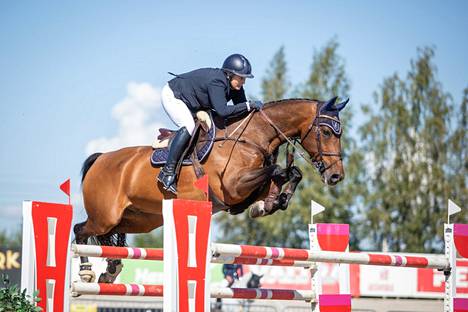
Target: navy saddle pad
[{"x": 159, "y": 155}]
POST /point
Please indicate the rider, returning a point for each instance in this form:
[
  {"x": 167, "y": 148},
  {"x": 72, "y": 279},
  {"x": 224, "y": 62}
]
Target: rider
[
  {"x": 232, "y": 272},
  {"x": 203, "y": 89}
]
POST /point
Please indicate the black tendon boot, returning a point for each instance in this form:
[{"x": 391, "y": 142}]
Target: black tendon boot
[{"x": 167, "y": 176}]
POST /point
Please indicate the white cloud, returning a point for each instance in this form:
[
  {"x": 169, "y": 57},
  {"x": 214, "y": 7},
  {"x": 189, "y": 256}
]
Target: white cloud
[{"x": 139, "y": 115}]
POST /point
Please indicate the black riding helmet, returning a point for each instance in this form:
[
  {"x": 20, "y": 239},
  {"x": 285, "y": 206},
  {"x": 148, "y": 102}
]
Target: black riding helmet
[{"x": 238, "y": 65}]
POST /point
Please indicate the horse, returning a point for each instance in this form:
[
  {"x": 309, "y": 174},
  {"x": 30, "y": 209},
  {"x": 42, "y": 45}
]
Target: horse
[{"x": 121, "y": 195}]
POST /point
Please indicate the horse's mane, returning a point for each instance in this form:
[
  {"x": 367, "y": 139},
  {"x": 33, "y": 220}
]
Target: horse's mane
[
  {"x": 272, "y": 104},
  {"x": 276, "y": 102}
]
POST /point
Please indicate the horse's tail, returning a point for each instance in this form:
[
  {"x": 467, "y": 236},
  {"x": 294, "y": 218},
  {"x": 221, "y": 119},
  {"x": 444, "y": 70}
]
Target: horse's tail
[{"x": 87, "y": 164}]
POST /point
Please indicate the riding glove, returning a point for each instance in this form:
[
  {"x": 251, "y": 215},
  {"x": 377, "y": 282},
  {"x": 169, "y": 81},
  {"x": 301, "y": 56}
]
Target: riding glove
[{"x": 258, "y": 105}]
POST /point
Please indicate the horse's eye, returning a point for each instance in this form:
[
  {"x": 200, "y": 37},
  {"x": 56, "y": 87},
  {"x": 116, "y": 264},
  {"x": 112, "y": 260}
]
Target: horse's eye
[{"x": 327, "y": 133}]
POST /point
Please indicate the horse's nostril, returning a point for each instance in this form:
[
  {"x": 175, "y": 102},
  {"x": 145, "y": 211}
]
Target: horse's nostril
[{"x": 335, "y": 178}]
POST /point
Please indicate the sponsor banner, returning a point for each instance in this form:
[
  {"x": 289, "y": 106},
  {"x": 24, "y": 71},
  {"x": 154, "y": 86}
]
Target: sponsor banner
[
  {"x": 10, "y": 264},
  {"x": 381, "y": 281},
  {"x": 431, "y": 282},
  {"x": 378, "y": 281},
  {"x": 83, "y": 307}
]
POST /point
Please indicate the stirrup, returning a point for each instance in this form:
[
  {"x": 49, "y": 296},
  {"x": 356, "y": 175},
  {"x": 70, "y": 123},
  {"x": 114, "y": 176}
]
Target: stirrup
[{"x": 171, "y": 188}]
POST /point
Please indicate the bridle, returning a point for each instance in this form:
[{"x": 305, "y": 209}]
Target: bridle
[
  {"x": 335, "y": 125},
  {"x": 320, "y": 119}
]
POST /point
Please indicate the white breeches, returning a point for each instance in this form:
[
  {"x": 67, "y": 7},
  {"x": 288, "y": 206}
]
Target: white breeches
[{"x": 177, "y": 110}]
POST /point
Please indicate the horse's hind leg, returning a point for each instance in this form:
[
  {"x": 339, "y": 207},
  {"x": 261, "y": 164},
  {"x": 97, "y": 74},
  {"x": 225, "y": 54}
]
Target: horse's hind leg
[
  {"x": 114, "y": 266},
  {"x": 81, "y": 237},
  {"x": 83, "y": 231}
]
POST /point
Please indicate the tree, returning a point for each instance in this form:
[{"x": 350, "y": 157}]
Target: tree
[
  {"x": 458, "y": 159},
  {"x": 405, "y": 139},
  {"x": 13, "y": 240},
  {"x": 328, "y": 78},
  {"x": 275, "y": 85},
  {"x": 149, "y": 240}
]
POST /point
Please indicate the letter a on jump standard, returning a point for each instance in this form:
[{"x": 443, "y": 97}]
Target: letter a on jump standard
[{"x": 46, "y": 241}]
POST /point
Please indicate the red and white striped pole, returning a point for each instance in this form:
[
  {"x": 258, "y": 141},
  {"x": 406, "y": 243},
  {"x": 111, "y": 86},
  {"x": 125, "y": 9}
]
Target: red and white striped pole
[
  {"x": 383, "y": 259},
  {"x": 157, "y": 291}
]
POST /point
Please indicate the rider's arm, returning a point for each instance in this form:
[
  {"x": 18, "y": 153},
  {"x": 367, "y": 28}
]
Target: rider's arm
[
  {"x": 238, "y": 97},
  {"x": 218, "y": 101}
]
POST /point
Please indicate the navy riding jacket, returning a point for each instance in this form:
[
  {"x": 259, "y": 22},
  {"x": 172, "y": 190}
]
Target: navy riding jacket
[{"x": 209, "y": 88}]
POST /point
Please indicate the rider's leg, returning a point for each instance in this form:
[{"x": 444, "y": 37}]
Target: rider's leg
[
  {"x": 167, "y": 175},
  {"x": 177, "y": 110},
  {"x": 179, "y": 113}
]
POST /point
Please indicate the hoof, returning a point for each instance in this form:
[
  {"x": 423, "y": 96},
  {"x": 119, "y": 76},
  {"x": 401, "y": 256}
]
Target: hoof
[
  {"x": 86, "y": 274},
  {"x": 114, "y": 268},
  {"x": 257, "y": 209},
  {"x": 106, "y": 278}
]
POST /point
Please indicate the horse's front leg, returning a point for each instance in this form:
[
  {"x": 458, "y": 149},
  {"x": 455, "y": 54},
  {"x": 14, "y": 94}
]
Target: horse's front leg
[
  {"x": 275, "y": 201},
  {"x": 279, "y": 177},
  {"x": 294, "y": 177}
]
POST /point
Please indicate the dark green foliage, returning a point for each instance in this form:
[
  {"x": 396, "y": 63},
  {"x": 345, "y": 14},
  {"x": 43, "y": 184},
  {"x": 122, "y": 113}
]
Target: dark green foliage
[
  {"x": 275, "y": 85},
  {"x": 13, "y": 300}
]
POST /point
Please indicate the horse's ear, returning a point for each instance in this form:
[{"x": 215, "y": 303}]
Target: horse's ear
[
  {"x": 329, "y": 104},
  {"x": 341, "y": 105}
]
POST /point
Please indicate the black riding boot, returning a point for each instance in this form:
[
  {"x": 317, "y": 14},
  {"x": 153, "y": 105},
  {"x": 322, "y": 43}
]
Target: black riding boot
[{"x": 167, "y": 176}]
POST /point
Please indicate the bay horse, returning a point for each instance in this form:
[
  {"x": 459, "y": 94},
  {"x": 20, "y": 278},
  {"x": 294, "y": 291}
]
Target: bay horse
[{"x": 121, "y": 195}]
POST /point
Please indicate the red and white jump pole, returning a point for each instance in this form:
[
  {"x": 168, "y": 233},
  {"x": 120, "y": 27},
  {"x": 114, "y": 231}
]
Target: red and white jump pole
[{"x": 157, "y": 291}]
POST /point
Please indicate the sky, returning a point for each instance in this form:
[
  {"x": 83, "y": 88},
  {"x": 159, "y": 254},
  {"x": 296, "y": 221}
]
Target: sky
[{"x": 78, "y": 77}]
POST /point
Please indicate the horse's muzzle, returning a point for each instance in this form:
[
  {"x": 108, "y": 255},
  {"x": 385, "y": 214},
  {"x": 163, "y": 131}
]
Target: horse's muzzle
[{"x": 332, "y": 178}]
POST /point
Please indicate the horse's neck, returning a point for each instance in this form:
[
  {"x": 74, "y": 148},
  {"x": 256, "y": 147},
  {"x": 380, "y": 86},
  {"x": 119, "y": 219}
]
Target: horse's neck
[{"x": 289, "y": 117}]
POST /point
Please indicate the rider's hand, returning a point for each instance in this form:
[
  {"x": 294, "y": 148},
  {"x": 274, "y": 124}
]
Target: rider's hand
[{"x": 258, "y": 105}]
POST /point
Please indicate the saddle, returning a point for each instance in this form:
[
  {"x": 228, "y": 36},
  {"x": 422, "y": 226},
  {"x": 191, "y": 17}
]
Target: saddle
[{"x": 201, "y": 143}]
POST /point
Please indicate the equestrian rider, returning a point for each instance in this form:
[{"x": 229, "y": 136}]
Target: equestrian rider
[{"x": 203, "y": 89}]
